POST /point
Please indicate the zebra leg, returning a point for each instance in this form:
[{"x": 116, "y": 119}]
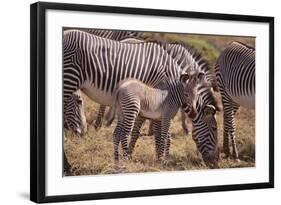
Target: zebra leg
[
  {"x": 229, "y": 131},
  {"x": 150, "y": 129},
  {"x": 116, "y": 139},
  {"x": 184, "y": 122},
  {"x": 130, "y": 111},
  {"x": 226, "y": 126},
  {"x": 167, "y": 145},
  {"x": 98, "y": 121},
  {"x": 135, "y": 134},
  {"x": 156, "y": 126},
  {"x": 165, "y": 125},
  {"x": 235, "y": 154}
]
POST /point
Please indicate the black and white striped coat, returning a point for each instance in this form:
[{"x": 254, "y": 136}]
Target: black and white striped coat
[
  {"x": 96, "y": 65},
  {"x": 135, "y": 101},
  {"x": 235, "y": 72}
]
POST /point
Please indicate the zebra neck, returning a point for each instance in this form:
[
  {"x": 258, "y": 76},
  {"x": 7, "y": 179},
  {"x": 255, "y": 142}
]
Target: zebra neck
[
  {"x": 176, "y": 93},
  {"x": 180, "y": 55},
  {"x": 71, "y": 84}
]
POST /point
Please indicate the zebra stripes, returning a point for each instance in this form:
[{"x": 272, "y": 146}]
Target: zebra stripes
[
  {"x": 235, "y": 72},
  {"x": 75, "y": 114},
  {"x": 113, "y": 35},
  {"x": 187, "y": 59},
  {"x": 134, "y": 99},
  {"x": 190, "y": 61},
  {"x": 96, "y": 66},
  {"x": 117, "y": 35}
]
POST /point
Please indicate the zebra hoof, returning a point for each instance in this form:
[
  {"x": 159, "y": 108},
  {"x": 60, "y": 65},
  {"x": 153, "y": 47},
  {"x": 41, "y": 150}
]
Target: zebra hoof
[
  {"x": 226, "y": 156},
  {"x": 165, "y": 162},
  {"x": 130, "y": 157},
  {"x": 97, "y": 125},
  {"x": 236, "y": 160},
  {"x": 126, "y": 158},
  {"x": 160, "y": 160}
]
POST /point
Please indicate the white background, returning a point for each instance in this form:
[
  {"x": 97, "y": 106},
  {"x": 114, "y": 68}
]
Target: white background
[{"x": 14, "y": 102}]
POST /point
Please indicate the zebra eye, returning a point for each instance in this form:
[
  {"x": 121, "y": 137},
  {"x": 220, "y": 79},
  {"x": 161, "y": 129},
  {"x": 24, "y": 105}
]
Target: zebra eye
[
  {"x": 209, "y": 110},
  {"x": 184, "y": 78},
  {"x": 79, "y": 101}
]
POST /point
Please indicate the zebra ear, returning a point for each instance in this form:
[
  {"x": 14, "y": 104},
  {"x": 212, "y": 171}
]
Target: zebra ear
[
  {"x": 184, "y": 78},
  {"x": 79, "y": 100}
]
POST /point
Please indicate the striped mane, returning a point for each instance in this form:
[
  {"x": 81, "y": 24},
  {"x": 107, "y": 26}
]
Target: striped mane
[
  {"x": 243, "y": 44},
  {"x": 189, "y": 49}
]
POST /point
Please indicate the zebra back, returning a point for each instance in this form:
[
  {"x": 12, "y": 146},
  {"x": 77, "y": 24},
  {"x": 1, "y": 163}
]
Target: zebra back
[
  {"x": 104, "y": 62},
  {"x": 235, "y": 69}
]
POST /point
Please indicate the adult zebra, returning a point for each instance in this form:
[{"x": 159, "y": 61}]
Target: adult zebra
[
  {"x": 96, "y": 65},
  {"x": 117, "y": 35},
  {"x": 235, "y": 72}
]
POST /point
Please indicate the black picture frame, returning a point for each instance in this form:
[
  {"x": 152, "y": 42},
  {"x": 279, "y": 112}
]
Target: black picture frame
[{"x": 38, "y": 101}]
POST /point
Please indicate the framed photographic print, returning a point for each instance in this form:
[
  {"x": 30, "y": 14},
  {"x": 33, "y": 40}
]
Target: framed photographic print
[{"x": 129, "y": 102}]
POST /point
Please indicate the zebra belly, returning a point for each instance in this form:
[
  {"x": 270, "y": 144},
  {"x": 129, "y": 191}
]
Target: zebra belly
[
  {"x": 151, "y": 114},
  {"x": 99, "y": 96},
  {"x": 245, "y": 101}
]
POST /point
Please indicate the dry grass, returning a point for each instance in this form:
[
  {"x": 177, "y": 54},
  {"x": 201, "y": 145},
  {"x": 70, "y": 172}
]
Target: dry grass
[{"x": 93, "y": 153}]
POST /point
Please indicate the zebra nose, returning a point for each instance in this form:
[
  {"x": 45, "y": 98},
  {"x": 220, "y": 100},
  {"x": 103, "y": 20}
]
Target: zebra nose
[
  {"x": 78, "y": 131},
  {"x": 211, "y": 159},
  {"x": 65, "y": 125},
  {"x": 82, "y": 130}
]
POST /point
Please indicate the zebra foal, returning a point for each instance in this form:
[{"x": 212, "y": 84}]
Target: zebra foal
[{"x": 134, "y": 101}]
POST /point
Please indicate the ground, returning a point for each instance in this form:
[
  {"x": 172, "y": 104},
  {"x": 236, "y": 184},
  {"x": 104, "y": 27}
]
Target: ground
[{"x": 93, "y": 153}]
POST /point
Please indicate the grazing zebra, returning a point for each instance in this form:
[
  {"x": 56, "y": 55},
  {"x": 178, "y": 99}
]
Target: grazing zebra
[
  {"x": 235, "y": 72},
  {"x": 96, "y": 65},
  {"x": 114, "y": 35},
  {"x": 75, "y": 114},
  {"x": 134, "y": 99}
]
